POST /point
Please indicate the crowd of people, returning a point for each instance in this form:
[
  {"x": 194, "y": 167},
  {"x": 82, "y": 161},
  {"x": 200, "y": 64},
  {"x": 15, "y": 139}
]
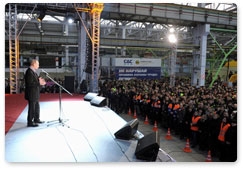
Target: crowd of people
[{"x": 207, "y": 116}]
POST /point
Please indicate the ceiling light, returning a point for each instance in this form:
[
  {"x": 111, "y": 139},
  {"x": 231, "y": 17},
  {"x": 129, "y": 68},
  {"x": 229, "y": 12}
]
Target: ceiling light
[
  {"x": 70, "y": 19},
  {"x": 172, "y": 38}
]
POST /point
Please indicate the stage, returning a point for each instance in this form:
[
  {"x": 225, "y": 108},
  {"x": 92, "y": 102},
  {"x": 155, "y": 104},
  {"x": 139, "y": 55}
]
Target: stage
[{"x": 76, "y": 131}]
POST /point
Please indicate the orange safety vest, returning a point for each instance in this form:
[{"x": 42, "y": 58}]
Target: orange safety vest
[
  {"x": 137, "y": 97},
  {"x": 146, "y": 100},
  {"x": 177, "y": 106},
  {"x": 223, "y": 130},
  {"x": 194, "y": 121},
  {"x": 157, "y": 104},
  {"x": 170, "y": 106}
]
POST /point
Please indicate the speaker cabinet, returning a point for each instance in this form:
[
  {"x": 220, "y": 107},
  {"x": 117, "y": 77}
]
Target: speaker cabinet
[
  {"x": 89, "y": 96},
  {"x": 69, "y": 83},
  {"x": 98, "y": 101},
  {"x": 148, "y": 147},
  {"x": 128, "y": 130}
]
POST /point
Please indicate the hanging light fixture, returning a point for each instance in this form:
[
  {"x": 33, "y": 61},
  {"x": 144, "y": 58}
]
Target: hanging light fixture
[{"x": 41, "y": 15}]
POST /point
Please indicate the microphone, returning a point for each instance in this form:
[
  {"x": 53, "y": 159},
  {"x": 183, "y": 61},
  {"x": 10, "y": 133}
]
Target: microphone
[{"x": 44, "y": 71}]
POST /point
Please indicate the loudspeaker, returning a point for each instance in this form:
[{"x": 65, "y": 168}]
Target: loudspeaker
[
  {"x": 128, "y": 130},
  {"x": 89, "y": 96},
  {"x": 148, "y": 147},
  {"x": 69, "y": 83},
  {"x": 98, "y": 101}
]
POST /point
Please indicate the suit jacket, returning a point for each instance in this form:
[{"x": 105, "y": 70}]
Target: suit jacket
[{"x": 32, "y": 85}]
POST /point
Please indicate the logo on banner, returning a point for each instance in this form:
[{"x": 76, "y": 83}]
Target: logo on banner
[
  {"x": 137, "y": 62},
  {"x": 127, "y": 61}
]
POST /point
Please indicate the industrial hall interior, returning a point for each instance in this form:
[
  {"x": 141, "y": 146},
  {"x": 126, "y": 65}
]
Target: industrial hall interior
[{"x": 121, "y": 82}]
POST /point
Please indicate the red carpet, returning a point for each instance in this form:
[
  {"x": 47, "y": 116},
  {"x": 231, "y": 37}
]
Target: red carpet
[{"x": 15, "y": 104}]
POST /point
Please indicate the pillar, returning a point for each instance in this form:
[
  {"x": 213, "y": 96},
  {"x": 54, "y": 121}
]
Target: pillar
[{"x": 200, "y": 34}]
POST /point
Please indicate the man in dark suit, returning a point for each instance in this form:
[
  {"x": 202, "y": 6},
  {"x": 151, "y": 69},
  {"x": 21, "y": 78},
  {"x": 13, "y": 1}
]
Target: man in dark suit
[{"x": 32, "y": 93}]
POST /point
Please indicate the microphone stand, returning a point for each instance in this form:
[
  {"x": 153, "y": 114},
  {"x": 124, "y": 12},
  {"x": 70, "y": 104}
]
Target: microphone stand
[{"x": 60, "y": 120}]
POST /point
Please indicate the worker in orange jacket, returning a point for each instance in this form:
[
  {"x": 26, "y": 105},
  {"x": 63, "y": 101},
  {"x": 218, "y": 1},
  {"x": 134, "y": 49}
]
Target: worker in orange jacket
[
  {"x": 224, "y": 126},
  {"x": 195, "y": 128}
]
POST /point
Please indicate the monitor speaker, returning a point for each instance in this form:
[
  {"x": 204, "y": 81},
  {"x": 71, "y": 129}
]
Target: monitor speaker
[
  {"x": 98, "y": 101},
  {"x": 148, "y": 147},
  {"x": 128, "y": 130},
  {"x": 89, "y": 96},
  {"x": 69, "y": 83}
]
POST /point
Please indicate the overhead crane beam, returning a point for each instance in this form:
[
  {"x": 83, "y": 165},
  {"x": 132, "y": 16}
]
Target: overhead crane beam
[{"x": 170, "y": 14}]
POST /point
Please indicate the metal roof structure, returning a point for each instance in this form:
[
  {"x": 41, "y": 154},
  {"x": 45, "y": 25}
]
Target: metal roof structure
[{"x": 146, "y": 26}]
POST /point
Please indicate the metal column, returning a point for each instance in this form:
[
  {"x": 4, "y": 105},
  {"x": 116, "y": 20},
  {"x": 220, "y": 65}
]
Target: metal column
[
  {"x": 67, "y": 57},
  {"x": 123, "y": 49},
  {"x": 81, "y": 74},
  {"x": 173, "y": 64},
  {"x": 13, "y": 49},
  {"x": 200, "y": 34}
]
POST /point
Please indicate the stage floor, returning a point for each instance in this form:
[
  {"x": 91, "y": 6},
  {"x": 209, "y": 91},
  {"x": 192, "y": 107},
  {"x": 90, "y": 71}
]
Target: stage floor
[{"x": 76, "y": 131}]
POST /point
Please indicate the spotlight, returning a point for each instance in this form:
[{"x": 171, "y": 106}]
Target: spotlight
[
  {"x": 172, "y": 38},
  {"x": 69, "y": 19}
]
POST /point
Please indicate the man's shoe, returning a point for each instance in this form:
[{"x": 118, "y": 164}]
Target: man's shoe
[
  {"x": 32, "y": 125},
  {"x": 38, "y": 121}
]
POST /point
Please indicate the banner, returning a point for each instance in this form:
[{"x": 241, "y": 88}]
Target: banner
[
  {"x": 137, "y": 72},
  {"x": 136, "y": 62}
]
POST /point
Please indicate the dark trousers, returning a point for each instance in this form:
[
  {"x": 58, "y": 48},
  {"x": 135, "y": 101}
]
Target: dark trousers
[
  {"x": 194, "y": 138},
  {"x": 33, "y": 111}
]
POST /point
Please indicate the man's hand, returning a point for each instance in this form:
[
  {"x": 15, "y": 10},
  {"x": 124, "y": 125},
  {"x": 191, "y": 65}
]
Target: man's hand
[{"x": 42, "y": 81}]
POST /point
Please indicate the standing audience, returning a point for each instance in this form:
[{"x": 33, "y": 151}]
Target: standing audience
[{"x": 175, "y": 107}]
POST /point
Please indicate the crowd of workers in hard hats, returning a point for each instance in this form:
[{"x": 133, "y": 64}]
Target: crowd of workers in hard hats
[{"x": 207, "y": 116}]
